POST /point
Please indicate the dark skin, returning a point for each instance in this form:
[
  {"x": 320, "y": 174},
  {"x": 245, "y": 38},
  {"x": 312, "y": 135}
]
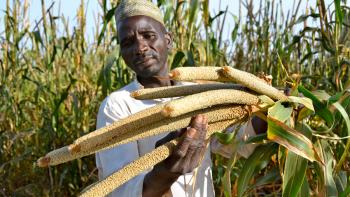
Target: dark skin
[{"x": 144, "y": 47}]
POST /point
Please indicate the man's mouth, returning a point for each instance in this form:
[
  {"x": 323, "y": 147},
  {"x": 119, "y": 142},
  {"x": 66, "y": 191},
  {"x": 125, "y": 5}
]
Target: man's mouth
[{"x": 143, "y": 61}]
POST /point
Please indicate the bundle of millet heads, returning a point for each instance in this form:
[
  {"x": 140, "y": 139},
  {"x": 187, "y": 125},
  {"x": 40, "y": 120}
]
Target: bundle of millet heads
[{"x": 228, "y": 102}]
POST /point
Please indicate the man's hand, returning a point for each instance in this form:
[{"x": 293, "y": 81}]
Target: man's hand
[{"x": 184, "y": 159}]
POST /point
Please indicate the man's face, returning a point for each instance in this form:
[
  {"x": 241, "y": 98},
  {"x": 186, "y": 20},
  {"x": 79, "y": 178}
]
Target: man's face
[{"x": 144, "y": 45}]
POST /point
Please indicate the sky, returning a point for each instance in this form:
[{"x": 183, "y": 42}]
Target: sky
[{"x": 68, "y": 8}]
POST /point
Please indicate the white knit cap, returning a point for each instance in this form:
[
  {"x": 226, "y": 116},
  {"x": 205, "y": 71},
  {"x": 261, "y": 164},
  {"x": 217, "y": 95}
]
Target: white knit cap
[{"x": 128, "y": 8}]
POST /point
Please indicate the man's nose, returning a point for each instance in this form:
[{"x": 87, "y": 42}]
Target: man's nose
[{"x": 141, "y": 46}]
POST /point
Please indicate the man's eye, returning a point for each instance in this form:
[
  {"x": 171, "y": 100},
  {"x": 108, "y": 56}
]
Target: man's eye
[{"x": 150, "y": 36}]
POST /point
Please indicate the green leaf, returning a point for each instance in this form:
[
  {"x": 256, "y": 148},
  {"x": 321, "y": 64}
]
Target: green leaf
[
  {"x": 270, "y": 177},
  {"x": 290, "y": 138},
  {"x": 256, "y": 139},
  {"x": 256, "y": 161},
  {"x": 304, "y": 190},
  {"x": 177, "y": 59},
  {"x": 303, "y": 18},
  {"x": 344, "y": 114},
  {"x": 338, "y": 12},
  {"x": 106, "y": 20},
  {"x": 198, "y": 47},
  {"x": 235, "y": 32},
  {"x": 321, "y": 95},
  {"x": 190, "y": 59},
  {"x": 346, "y": 192},
  {"x": 225, "y": 138},
  {"x": 320, "y": 108},
  {"x": 326, "y": 154},
  {"x": 281, "y": 133},
  {"x": 302, "y": 100},
  {"x": 211, "y": 19},
  {"x": 334, "y": 98},
  {"x": 37, "y": 37},
  {"x": 227, "y": 175},
  {"x": 279, "y": 112},
  {"x": 346, "y": 118},
  {"x": 294, "y": 174},
  {"x": 193, "y": 11},
  {"x": 304, "y": 113},
  {"x": 341, "y": 181},
  {"x": 267, "y": 100}
]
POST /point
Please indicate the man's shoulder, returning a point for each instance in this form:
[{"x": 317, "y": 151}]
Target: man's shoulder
[
  {"x": 119, "y": 98},
  {"x": 123, "y": 93}
]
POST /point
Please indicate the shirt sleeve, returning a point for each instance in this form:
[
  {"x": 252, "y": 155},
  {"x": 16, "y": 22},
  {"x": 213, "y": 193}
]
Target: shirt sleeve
[{"x": 111, "y": 160}]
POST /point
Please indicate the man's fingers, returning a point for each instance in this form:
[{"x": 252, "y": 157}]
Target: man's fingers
[
  {"x": 200, "y": 123},
  {"x": 182, "y": 147},
  {"x": 196, "y": 157},
  {"x": 195, "y": 120},
  {"x": 203, "y": 128},
  {"x": 170, "y": 136}
]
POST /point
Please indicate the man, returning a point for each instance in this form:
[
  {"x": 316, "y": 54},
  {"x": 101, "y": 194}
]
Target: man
[{"x": 144, "y": 45}]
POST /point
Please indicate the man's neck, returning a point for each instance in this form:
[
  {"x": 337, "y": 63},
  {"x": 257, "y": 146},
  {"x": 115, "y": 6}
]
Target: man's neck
[{"x": 159, "y": 80}]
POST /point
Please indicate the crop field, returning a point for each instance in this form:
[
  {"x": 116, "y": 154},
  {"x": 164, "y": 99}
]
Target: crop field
[{"x": 53, "y": 80}]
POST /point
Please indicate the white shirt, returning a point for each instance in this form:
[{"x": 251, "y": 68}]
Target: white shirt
[{"x": 119, "y": 105}]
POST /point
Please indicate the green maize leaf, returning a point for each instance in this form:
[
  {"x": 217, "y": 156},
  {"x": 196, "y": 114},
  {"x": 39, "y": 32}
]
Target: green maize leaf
[
  {"x": 266, "y": 100},
  {"x": 37, "y": 37},
  {"x": 344, "y": 114},
  {"x": 320, "y": 108},
  {"x": 346, "y": 118},
  {"x": 326, "y": 170},
  {"x": 290, "y": 138},
  {"x": 294, "y": 174},
  {"x": 281, "y": 158},
  {"x": 106, "y": 20},
  {"x": 279, "y": 132},
  {"x": 227, "y": 175},
  {"x": 338, "y": 12},
  {"x": 321, "y": 95},
  {"x": 303, "y": 113},
  {"x": 257, "y": 138},
  {"x": 302, "y": 100},
  {"x": 303, "y": 18},
  {"x": 199, "y": 47},
  {"x": 235, "y": 29},
  {"x": 341, "y": 181},
  {"x": 272, "y": 176},
  {"x": 304, "y": 129},
  {"x": 334, "y": 98},
  {"x": 193, "y": 11},
  {"x": 211, "y": 19},
  {"x": 177, "y": 59},
  {"x": 190, "y": 59},
  {"x": 304, "y": 190},
  {"x": 279, "y": 112},
  {"x": 346, "y": 192},
  {"x": 205, "y": 13},
  {"x": 256, "y": 161},
  {"x": 225, "y": 138}
]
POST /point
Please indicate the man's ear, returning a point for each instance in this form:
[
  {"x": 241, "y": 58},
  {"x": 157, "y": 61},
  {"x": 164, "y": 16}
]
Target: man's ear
[{"x": 169, "y": 39}]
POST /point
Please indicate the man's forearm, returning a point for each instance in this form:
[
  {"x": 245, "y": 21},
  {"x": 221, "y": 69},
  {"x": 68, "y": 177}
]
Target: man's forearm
[{"x": 158, "y": 182}]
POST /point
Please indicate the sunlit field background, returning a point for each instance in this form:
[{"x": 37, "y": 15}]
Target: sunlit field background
[{"x": 53, "y": 78}]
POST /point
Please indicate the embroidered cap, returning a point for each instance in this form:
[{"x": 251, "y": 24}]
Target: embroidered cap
[{"x": 129, "y": 8}]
